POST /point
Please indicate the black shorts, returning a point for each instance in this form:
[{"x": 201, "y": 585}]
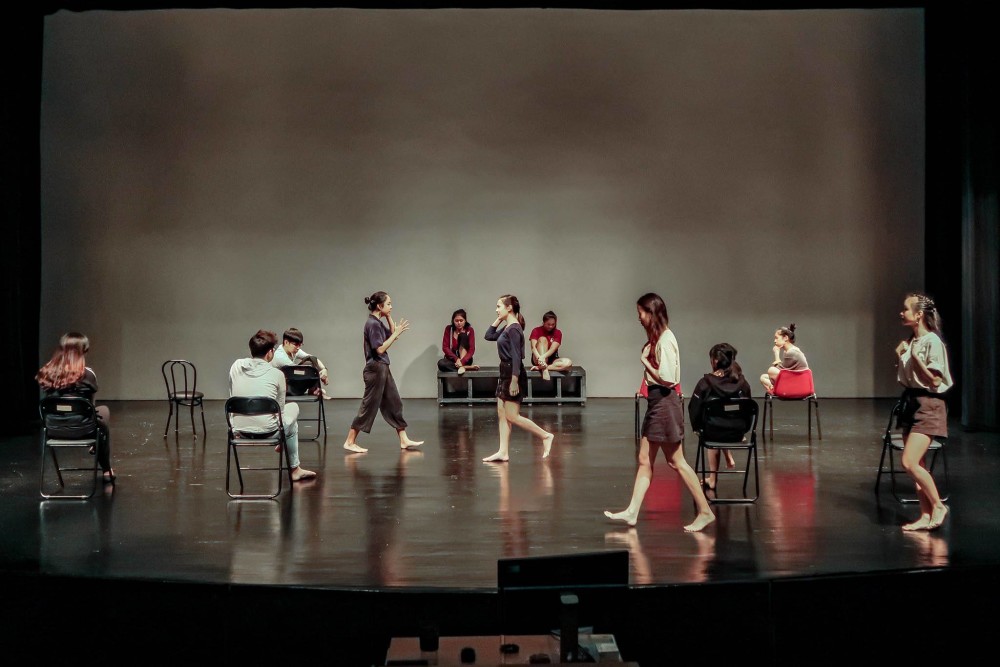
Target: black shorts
[
  {"x": 664, "y": 420},
  {"x": 503, "y": 386}
]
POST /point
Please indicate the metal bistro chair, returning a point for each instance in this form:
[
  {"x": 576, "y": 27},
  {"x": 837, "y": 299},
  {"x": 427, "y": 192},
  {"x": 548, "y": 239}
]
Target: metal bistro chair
[
  {"x": 643, "y": 392},
  {"x": 54, "y": 409},
  {"x": 736, "y": 418},
  {"x": 892, "y": 442},
  {"x": 241, "y": 406},
  {"x": 181, "y": 380},
  {"x": 793, "y": 386},
  {"x": 302, "y": 381}
]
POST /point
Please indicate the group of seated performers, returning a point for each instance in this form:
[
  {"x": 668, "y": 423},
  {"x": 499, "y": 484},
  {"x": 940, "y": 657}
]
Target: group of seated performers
[{"x": 458, "y": 343}]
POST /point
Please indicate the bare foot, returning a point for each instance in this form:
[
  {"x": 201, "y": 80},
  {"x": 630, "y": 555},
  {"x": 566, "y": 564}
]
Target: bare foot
[
  {"x": 461, "y": 370},
  {"x": 545, "y": 374},
  {"x": 301, "y": 473},
  {"x": 354, "y": 447},
  {"x": 709, "y": 483},
  {"x": 624, "y": 515},
  {"x": 730, "y": 461},
  {"x": 277, "y": 448},
  {"x": 473, "y": 367},
  {"x": 699, "y": 522},
  {"x": 937, "y": 517},
  {"x": 407, "y": 444},
  {"x": 496, "y": 458},
  {"x": 547, "y": 445},
  {"x": 920, "y": 524}
]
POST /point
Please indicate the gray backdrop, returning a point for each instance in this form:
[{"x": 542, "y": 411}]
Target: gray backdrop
[{"x": 206, "y": 173}]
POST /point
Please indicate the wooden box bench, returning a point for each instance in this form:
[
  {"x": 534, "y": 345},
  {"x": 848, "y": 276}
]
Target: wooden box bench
[{"x": 480, "y": 386}]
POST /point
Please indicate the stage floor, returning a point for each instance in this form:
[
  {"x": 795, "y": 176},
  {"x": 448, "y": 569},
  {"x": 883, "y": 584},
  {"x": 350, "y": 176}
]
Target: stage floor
[{"x": 440, "y": 518}]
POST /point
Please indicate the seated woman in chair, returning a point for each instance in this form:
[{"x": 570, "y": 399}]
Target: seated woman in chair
[
  {"x": 787, "y": 357},
  {"x": 458, "y": 344},
  {"x": 725, "y": 381},
  {"x": 545, "y": 343},
  {"x": 67, "y": 374}
]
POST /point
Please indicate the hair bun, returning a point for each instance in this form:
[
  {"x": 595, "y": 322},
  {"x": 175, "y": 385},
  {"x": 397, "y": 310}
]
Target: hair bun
[
  {"x": 368, "y": 299},
  {"x": 791, "y": 327}
]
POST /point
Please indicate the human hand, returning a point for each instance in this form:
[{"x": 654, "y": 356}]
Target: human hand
[
  {"x": 458, "y": 363},
  {"x": 514, "y": 389},
  {"x": 903, "y": 346},
  {"x": 402, "y": 326},
  {"x": 647, "y": 348},
  {"x": 324, "y": 376}
]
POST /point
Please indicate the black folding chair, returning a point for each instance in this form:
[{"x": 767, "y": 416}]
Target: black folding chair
[
  {"x": 181, "y": 380},
  {"x": 255, "y": 406},
  {"x": 729, "y": 424},
  {"x": 892, "y": 442},
  {"x": 305, "y": 386},
  {"x": 67, "y": 411}
]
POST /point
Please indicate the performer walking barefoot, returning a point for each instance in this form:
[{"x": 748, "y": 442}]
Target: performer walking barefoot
[
  {"x": 380, "y": 389},
  {"x": 923, "y": 370},
  {"x": 513, "y": 378},
  {"x": 663, "y": 427}
]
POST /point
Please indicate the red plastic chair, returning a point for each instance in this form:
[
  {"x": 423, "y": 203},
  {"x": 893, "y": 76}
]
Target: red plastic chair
[
  {"x": 793, "y": 386},
  {"x": 643, "y": 392}
]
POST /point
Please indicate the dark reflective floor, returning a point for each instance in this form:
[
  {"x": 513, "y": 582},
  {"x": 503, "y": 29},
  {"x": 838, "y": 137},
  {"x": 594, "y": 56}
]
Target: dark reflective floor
[{"x": 441, "y": 518}]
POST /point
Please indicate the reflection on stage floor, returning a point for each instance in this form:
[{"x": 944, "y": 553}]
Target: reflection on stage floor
[{"x": 439, "y": 517}]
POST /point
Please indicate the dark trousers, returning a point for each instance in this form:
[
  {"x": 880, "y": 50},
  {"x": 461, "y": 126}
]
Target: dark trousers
[
  {"x": 445, "y": 365},
  {"x": 380, "y": 394}
]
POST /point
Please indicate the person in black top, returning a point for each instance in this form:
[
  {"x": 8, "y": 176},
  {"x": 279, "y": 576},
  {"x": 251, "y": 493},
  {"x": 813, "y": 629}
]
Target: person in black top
[
  {"x": 380, "y": 388},
  {"x": 67, "y": 374},
  {"x": 725, "y": 381},
  {"x": 513, "y": 378}
]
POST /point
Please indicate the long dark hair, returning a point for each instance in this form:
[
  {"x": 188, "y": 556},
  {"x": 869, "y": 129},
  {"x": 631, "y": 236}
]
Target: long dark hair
[
  {"x": 515, "y": 307},
  {"x": 67, "y": 364},
  {"x": 924, "y": 304},
  {"x": 788, "y": 332},
  {"x": 376, "y": 300},
  {"x": 460, "y": 311},
  {"x": 659, "y": 319},
  {"x": 723, "y": 356}
]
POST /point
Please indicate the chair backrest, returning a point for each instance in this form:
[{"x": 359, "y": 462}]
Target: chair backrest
[
  {"x": 301, "y": 378},
  {"x": 252, "y": 406},
  {"x": 68, "y": 412},
  {"x": 729, "y": 419},
  {"x": 179, "y": 376},
  {"x": 794, "y": 384}
]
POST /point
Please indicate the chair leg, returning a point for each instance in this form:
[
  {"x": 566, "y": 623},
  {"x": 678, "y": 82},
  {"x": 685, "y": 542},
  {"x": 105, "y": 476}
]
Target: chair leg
[
  {"x": 169, "y": 416},
  {"x": 204, "y": 429},
  {"x": 194, "y": 429},
  {"x": 881, "y": 466},
  {"x": 819, "y": 429}
]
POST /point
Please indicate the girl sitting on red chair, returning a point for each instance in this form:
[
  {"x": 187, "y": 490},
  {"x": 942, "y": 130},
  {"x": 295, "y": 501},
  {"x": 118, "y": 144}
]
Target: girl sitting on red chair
[{"x": 786, "y": 357}]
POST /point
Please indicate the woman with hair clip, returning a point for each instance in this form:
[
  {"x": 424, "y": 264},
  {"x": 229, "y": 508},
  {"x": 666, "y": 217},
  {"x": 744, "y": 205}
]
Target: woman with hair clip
[
  {"x": 786, "y": 357},
  {"x": 923, "y": 370},
  {"x": 458, "y": 344},
  {"x": 725, "y": 381},
  {"x": 663, "y": 427},
  {"x": 380, "y": 389},
  {"x": 513, "y": 378},
  {"x": 67, "y": 374}
]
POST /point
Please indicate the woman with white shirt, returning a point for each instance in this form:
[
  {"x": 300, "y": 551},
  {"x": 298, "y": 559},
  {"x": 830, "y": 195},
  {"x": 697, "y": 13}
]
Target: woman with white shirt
[
  {"x": 663, "y": 427},
  {"x": 923, "y": 370}
]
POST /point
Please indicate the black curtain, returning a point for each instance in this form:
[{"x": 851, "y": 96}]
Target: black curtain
[
  {"x": 20, "y": 249},
  {"x": 980, "y": 222}
]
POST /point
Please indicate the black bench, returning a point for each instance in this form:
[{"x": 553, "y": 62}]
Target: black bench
[{"x": 480, "y": 389}]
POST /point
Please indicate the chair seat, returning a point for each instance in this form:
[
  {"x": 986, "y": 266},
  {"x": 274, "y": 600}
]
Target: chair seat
[
  {"x": 896, "y": 442},
  {"x": 726, "y": 445},
  {"x": 51, "y": 442},
  {"x": 186, "y": 395}
]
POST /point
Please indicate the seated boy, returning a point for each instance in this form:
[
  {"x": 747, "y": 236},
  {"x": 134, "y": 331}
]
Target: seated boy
[{"x": 290, "y": 353}]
